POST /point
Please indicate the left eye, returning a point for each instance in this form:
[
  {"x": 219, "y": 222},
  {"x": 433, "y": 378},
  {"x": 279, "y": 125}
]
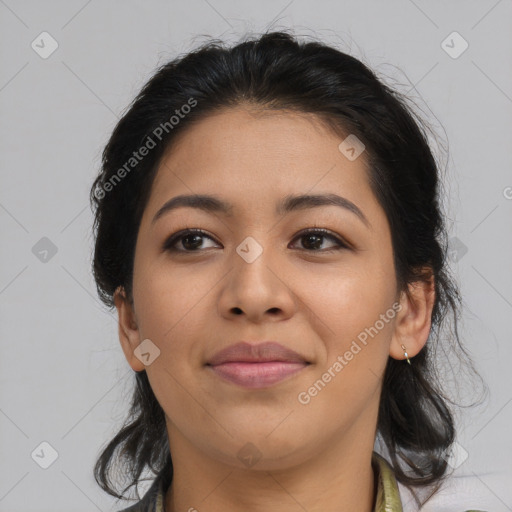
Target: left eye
[
  {"x": 313, "y": 236},
  {"x": 192, "y": 239}
]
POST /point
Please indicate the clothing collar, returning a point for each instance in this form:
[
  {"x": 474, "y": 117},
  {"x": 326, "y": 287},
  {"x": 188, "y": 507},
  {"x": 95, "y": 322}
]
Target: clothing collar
[{"x": 388, "y": 495}]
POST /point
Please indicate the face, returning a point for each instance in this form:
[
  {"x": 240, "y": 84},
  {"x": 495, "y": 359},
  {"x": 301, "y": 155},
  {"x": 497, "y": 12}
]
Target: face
[{"x": 257, "y": 274}]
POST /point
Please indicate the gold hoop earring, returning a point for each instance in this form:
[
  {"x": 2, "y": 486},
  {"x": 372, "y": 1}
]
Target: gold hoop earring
[{"x": 405, "y": 354}]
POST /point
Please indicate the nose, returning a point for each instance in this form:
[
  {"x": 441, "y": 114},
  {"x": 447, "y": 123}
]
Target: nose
[{"x": 259, "y": 289}]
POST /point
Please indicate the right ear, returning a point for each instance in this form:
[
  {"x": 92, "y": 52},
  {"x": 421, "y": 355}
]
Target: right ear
[{"x": 128, "y": 330}]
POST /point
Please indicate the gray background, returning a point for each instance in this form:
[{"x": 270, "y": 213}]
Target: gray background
[{"x": 64, "y": 379}]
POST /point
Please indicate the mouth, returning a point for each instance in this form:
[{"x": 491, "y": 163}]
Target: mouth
[
  {"x": 256, "y": 366},
  {"x": 257, "y": 375}
]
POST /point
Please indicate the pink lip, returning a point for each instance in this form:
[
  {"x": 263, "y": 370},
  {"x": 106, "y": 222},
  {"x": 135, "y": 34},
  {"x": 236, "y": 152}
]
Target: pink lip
[
  {"x": 256, "y": 366},
  {"x": 257, "y": 375}
]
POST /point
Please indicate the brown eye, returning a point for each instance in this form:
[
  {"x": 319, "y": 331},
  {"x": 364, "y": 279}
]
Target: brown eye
[
  {"x": 313, "y": 239},
  {"x": 190, "y": 240}
]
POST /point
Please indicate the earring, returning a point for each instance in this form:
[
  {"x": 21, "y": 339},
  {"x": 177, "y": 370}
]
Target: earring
[{"x": 405, "y": 354}]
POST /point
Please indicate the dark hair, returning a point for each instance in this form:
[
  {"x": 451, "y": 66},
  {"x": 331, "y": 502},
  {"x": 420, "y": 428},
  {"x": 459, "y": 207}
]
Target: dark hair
[{"x": 277, "y": 71}]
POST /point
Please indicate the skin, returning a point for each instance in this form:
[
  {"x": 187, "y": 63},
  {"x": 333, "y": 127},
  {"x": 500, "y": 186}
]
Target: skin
[{"x": 314, "y": 457}]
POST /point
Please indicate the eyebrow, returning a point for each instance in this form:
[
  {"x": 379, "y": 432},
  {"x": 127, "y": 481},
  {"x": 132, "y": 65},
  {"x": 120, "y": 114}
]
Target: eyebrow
[{"x": 288, "y": 204}]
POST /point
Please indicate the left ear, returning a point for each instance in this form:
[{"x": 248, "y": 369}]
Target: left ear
[{"x": 413, "y": 321}]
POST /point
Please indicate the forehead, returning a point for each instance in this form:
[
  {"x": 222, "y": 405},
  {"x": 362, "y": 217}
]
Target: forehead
[{"x": 253, "y": 158}]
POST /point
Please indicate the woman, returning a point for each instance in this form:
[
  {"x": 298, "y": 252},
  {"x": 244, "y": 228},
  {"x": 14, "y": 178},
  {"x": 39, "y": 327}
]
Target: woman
[{"x": 268, "y": 227}]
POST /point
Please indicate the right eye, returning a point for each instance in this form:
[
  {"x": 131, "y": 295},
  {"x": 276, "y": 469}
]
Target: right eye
[{"x": 190, "y": 240}]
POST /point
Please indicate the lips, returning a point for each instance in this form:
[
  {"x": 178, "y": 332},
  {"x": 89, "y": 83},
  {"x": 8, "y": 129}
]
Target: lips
[
  {"x": 267, "y": 351},
  {"x": 256, "y": 366}
]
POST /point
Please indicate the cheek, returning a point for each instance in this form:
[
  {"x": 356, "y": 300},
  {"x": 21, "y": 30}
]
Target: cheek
[
  {"x": 357, "y": 321},
  {"x": 347, "y": 303},
  {"x": 172, "y": 312},
  {"x": 167, "y": 297}
]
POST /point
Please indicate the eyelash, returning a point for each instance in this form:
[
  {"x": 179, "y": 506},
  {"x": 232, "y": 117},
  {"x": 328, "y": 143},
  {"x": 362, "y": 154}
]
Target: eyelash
[{"x": 176, "y": 237}]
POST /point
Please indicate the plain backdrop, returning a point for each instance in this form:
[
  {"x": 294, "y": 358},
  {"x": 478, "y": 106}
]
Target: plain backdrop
[{"x": 64, "y": 383}]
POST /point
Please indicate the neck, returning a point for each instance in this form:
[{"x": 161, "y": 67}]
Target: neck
[{"x": 339, "y": 478}]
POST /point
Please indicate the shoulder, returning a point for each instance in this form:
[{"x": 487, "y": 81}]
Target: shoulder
[
  {"x": 141, "y": 506},
  {"x": 464, "y": 493},
  {"x": 152, "y": 500},
  {"x": 137, "y": 507},
  {"x": 460, "y": 492}
]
